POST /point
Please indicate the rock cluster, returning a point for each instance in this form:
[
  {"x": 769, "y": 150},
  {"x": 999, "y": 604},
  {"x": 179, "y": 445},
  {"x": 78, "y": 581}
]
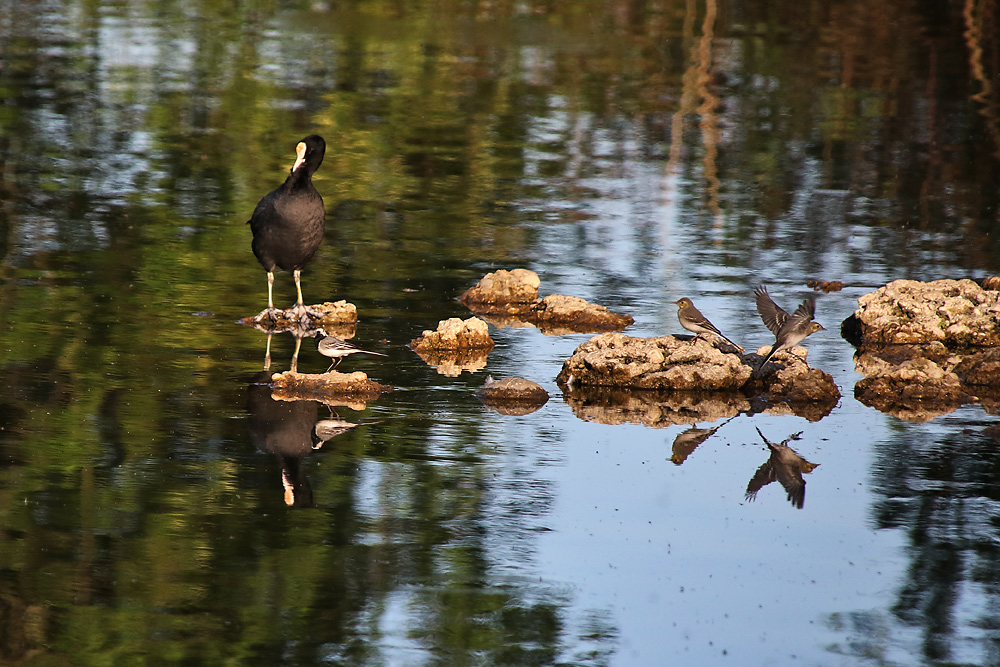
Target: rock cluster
[
  {"x": 684, "y": 373},
  {"x": 506, "y": 296},
  {"x": 926, "y": 348}
]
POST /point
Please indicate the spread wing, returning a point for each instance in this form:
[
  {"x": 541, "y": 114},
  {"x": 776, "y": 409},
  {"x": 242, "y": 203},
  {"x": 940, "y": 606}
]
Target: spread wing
[
  {"x": 764, "y": 476},
  {"x": 806, "y": 309},
  {"x": 770, "y": 312},
  {"x": 791, "y": 479}
]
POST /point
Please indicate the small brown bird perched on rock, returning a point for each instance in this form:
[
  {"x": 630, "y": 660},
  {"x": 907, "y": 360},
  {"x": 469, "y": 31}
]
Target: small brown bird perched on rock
[
  {"x": 692, "y": 320},
  {"x": 287, "y": 226}
]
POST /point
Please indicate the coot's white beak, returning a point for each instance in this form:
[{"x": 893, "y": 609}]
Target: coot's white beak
[{"x": 300, "y": 152}]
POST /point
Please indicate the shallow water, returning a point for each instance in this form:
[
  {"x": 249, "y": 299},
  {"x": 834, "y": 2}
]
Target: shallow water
[{"x": 630, "y": 154}]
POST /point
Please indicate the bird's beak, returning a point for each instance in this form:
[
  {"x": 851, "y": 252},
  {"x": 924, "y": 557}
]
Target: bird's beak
[
  {"x": 289, "y": 489},
  {"x": 300, "y": 153}
]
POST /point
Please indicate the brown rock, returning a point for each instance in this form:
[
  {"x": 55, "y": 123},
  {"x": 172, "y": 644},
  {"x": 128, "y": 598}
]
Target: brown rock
[
  {"x": 512, "y": 296},
  {"x": 326, "y": 387},
  {"x": 455, "y": 334},
  {"x": 512, "y": 396},
  {"x": 956, "y": 312},
  {"x": 557, "y": 314},
  {"x": 825, "y": 286},
  {"x": 980, "y": 369},
  {"x": 519, "y": 286},
  {"x": 915, "y": 390},
  {"x": 810, "y": 393},
  {"x": 617, "y": 360}
]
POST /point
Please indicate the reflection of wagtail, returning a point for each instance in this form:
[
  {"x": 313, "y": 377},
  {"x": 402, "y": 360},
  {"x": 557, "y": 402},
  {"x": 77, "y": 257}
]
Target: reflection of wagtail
[
  {"x": 337, "y": 349},
  {"x": 788, "y": 330},
  {"x": 784, "y": 465},
  {"x": 692, "y": 320}
]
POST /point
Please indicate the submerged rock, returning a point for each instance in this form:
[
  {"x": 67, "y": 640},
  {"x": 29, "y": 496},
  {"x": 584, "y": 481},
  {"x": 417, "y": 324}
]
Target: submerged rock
[
  {"x": 512, "y": 396},
  {"x": 916, "y": 390},
  {"x": 912, "y": 382},
  {"x": 455, "y": 334}
]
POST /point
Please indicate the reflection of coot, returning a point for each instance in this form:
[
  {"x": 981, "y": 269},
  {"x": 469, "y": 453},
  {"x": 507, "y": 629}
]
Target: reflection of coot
[
  {"x": 285, "y": 429},
  {"x": 287, "y": 224}
]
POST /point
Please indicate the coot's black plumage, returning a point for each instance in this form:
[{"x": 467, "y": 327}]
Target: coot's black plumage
[{"x": 287, "y": 225}]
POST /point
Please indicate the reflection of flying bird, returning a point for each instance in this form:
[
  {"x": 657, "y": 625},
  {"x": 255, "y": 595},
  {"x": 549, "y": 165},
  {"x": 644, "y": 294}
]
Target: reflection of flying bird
[
  {"x": 287, "y": 225},
  {"x": 788, "y": 330},
  {"x": 692, "y": 320},
  {"x": 687, "y": 441},
  {"x": 337, "y": 349},
  {"x": 785, "y": 466}
]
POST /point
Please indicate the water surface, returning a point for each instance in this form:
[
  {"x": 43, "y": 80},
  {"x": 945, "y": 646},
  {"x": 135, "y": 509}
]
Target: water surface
[{"x": 630, "y": 154}]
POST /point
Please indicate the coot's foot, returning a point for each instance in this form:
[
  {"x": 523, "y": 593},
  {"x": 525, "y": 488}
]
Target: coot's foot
[
  {"x": 271, "y": 315},
  {"x": 304, "y": 314}
]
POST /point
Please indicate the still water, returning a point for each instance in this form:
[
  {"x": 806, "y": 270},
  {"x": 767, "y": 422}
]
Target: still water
[{"x": 630, "y": 153}]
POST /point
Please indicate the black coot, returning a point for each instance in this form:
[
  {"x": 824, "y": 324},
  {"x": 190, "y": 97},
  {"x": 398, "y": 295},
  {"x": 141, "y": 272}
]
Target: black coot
[{"x": 287, "y": 225}]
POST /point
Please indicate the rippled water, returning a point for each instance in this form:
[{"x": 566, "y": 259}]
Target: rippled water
[{"x": 630, "y": 154}]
